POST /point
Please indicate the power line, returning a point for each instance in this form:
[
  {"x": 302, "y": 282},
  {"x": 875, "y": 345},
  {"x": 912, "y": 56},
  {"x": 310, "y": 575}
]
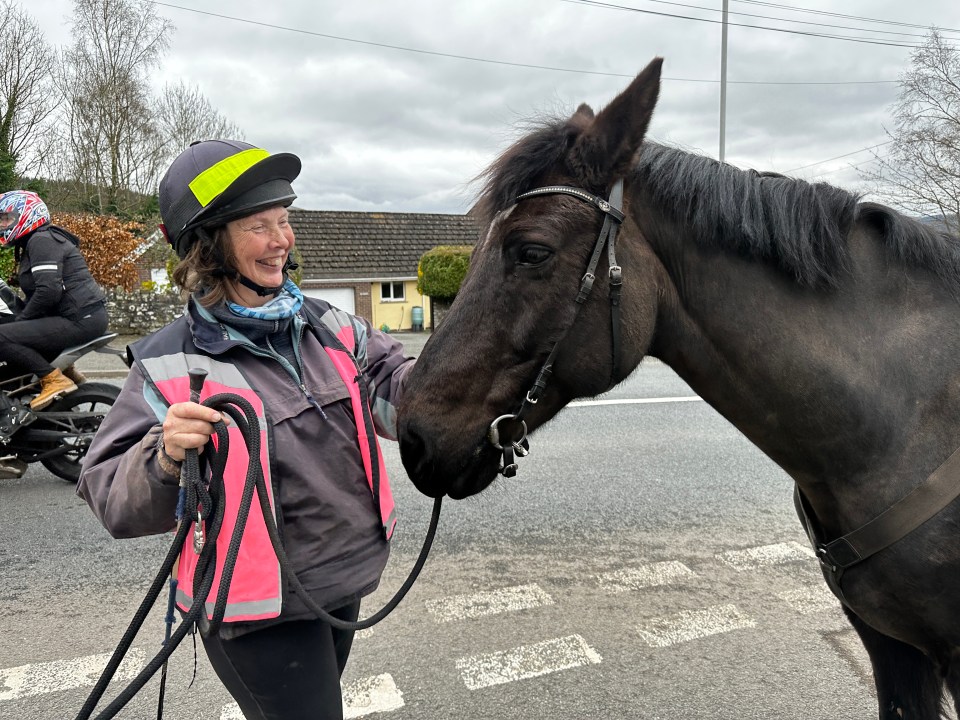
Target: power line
[
  {"x": 793, "y": 8},
  {"x": 867, "y": 41},
  {"x": 821, "y": 162},
  {"x": 489, "y": 61},
  {"x": 801, "y": 22}
]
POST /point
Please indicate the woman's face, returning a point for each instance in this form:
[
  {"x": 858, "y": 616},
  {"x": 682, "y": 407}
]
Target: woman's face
[{"x": 261, "y": 244}]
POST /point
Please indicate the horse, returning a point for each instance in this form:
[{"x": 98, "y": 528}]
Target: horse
[{"x": 825, "y": 328}]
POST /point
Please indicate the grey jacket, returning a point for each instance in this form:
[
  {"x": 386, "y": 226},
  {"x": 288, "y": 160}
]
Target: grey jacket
[{"x": 330, "y": 526}]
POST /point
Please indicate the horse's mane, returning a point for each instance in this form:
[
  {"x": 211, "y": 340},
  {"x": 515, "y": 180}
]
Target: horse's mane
[{"x": 801, "y": 227}]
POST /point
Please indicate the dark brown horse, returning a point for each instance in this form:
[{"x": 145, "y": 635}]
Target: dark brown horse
[{"x": 827, "y": 330}]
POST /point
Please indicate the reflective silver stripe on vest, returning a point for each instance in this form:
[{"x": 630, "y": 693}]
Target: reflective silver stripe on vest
[
  {"x": 42, "y": 268},
  {"x": 252, "y": 607},
  {"x": 166, "y": 367}
]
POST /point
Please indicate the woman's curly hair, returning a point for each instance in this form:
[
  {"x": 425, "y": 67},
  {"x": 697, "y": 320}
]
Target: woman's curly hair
[{"x": 207, "y": 268}]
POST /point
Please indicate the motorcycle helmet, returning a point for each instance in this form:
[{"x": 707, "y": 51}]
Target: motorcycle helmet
[
  {"x": 215, "y": 181},
  {"x": 21, "y": 212}
]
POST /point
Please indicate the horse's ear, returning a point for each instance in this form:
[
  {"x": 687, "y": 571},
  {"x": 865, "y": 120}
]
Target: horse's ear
[
  {"x": 605, "y": 150},
  {"x": 584, "y": 111}
]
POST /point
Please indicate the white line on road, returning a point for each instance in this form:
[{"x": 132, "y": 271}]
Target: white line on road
[
  {"x": 40, "y": 678},
  {"x": 361, "y": 697},
  {"x": 811, "y": 599},
  {"x": 635, "y": 401},
  {"x": 764, "y": 555},
  {"x": 661, "y": 573},
  {"x": 693, "y": 624},
  {"x": 488, "y": 602},
  {"x": 526, "y": 661}
]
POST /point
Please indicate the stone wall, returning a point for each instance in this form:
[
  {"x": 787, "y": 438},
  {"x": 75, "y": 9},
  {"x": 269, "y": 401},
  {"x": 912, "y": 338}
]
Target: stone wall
[{"x": 138, "y": 312}]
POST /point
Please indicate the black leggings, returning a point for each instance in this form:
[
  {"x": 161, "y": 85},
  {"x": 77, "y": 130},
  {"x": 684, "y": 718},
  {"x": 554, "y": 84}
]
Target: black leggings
[
  {"x": 289, "y": 671},
  {"x": 30, "y": 345}
]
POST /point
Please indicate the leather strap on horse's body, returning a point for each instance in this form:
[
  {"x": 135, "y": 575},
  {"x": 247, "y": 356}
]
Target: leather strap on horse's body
[{"x": 940, "y": 488}]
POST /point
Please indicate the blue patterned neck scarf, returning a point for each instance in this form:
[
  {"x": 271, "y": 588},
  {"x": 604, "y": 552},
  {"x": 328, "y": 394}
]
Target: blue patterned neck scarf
[{"x": 285, "y": 305}]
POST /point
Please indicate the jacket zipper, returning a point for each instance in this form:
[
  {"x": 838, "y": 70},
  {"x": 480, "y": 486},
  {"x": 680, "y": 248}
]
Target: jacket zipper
[{"x": 263, "y": 353}]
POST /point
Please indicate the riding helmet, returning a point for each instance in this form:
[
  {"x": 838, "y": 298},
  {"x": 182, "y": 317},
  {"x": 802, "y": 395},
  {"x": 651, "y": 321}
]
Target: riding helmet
[
  {"x": 215, "y": 181},
  {"x": 27, "y": 212}
]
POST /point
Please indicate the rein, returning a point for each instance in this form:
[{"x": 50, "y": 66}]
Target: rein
[
  {"x": 209, "y": 500},
  {"x": 613, "y": 217}
]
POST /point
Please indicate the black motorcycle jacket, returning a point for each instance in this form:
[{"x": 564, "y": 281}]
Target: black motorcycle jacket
[{"x": 54, "y": 276}]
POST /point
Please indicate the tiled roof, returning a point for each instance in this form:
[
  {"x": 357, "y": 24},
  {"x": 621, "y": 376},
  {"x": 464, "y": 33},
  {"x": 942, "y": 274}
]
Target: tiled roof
[{"x": 335, "y": 244}]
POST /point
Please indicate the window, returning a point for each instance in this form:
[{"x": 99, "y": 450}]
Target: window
[{"x": 392, "y": 292}]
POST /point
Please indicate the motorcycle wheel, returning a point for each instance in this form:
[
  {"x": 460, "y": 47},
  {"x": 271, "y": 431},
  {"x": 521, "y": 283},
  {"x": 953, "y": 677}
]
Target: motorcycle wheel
[{"x": 90, "y": 397}]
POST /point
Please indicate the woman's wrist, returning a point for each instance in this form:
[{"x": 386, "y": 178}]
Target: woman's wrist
[{"x": 169, "y": 466}]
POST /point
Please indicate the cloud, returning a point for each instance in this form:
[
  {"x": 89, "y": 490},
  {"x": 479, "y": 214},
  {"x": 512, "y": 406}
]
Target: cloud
[{"x": 395, "y": 130}]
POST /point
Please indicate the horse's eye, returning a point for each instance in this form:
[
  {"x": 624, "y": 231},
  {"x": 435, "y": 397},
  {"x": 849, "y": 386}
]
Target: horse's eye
[{"x": 533, "y": 255}]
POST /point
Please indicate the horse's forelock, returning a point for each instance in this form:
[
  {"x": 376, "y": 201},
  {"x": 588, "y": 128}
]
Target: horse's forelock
[{"x": 514, "y": 172}]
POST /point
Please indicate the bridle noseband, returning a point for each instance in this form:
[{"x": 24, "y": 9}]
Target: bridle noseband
[{"x": 613, "y": 217}]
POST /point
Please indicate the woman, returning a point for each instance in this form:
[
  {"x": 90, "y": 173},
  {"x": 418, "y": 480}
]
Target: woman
[
  {"x": 64, "y": 305},
  {"x": 317, "y": 376}
]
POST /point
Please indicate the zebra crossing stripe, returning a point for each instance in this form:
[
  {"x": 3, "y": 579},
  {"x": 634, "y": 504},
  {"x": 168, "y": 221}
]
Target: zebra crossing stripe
[
  {"x": 661, "y": 573},
  {"x": 765, "y": 555},
  {"x": 40, "y": 678},
  {"x": 526, "y": 661},
  {"x": 488, "y": 602},
  {"x": 362, "y": 697},
  {"x": 810, "y": 599},
  {"x": 693, "y": 624}
]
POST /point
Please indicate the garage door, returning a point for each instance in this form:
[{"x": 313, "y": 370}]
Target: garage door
[{"x": 338, "y": 297}]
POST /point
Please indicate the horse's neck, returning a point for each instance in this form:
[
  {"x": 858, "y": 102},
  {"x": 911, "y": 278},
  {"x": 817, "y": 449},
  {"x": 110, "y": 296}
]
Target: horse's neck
[{"x": 826, "y": 383}]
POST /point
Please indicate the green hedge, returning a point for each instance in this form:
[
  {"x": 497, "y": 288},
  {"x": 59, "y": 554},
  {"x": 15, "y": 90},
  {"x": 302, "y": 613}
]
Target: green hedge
[{"x": 442, "y": 269}]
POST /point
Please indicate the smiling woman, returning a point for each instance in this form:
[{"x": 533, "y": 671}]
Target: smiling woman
[{"x": 325, "y": 382}]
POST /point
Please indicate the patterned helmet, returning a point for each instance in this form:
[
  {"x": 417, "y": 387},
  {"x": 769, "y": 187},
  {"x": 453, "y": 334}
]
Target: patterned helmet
[
  {"x": 215, "y": 181},
  {"x": 21, "y": 212}
]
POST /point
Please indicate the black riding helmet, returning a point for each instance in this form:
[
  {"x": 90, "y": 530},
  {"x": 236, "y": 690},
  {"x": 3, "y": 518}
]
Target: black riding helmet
[{"x": 215, "y": 181}]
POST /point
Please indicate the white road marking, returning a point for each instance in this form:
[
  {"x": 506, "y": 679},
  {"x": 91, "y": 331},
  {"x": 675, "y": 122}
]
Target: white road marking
[
  {"x": 635, "y": 401},
  {"x": 810, "y": 599},
  {"x": 360, "y": 698},
  {"x": 661, "y": 573},
  {"x": 39, "y": 678},
  {"x": 764, "y": 555},
  {"x": 693, "y": 624},
  {"x": 526, "y": 661},
  {"x": 488, "y": 602}
]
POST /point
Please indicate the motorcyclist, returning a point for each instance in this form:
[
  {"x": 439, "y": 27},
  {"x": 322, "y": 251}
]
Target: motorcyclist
[{"x": 64, "y": 306}]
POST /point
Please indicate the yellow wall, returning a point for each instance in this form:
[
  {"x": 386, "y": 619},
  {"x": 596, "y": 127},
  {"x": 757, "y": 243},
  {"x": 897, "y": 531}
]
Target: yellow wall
[{"x": 395, "y": 314}]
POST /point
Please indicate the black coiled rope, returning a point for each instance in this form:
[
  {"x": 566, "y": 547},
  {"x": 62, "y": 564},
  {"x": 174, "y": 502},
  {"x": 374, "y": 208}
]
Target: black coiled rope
[{"x": 209, "y": 502}]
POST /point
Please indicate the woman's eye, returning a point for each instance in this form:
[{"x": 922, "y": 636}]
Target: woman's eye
[{"x": 533, "y": 255}]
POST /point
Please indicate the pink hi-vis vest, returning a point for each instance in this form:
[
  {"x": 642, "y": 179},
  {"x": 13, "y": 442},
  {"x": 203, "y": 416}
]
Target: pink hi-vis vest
[{"x": 256, "y": 589}]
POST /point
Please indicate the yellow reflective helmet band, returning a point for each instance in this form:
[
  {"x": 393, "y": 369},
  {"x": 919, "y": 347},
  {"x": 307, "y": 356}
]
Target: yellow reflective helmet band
[{"x": 215, "y": 179}]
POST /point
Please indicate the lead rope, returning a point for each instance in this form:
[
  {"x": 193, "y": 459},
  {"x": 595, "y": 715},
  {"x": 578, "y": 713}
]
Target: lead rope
[{"x": 210, "y": 503}]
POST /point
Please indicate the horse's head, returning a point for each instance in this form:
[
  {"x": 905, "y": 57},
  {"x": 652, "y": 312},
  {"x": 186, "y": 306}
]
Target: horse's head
[{"x": 519, "y": 299}]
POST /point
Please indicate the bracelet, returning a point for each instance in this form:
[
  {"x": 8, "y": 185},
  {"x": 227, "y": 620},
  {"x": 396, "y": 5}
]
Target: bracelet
[{"x": 169, "y": 466}]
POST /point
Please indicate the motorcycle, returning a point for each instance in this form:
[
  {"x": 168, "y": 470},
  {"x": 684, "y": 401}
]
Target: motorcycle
[{"x": 58, "y": 435}]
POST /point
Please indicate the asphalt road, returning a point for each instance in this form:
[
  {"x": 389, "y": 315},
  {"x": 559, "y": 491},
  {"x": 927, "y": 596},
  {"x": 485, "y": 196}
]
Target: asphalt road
[{"x": 646, "y": 562}]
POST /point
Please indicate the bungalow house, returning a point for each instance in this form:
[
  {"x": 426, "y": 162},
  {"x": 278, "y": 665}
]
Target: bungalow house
[{"x": 366, "y": 263}]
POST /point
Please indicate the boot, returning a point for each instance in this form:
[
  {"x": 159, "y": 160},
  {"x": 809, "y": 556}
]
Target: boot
[
  {"x": 52, "y": 385},
  {"x": 71, "y": 372},
  {"x": 12, "y": 468}
]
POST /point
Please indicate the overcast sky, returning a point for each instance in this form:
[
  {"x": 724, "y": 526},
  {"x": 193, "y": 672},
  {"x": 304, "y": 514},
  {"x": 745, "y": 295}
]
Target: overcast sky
[{"x": 396, "y": 105}]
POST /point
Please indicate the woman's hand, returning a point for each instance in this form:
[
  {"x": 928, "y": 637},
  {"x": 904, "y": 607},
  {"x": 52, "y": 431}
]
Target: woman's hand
[{"x": 187, "y": 425}]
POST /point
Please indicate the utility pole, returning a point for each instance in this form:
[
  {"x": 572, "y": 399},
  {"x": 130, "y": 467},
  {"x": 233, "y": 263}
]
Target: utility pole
[{"x": 723, "y": 83}]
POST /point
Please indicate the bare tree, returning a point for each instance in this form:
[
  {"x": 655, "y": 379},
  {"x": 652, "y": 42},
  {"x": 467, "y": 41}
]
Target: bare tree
[
  {"x": 922, "y": 172},
  {"x": 26, "y": 94},
  {"x": 184, "y": 115},
  {"x": 110, "y": 139}
]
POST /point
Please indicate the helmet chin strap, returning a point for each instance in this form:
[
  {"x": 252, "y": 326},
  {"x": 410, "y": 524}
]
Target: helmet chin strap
[{"x": 262, "y": 290}]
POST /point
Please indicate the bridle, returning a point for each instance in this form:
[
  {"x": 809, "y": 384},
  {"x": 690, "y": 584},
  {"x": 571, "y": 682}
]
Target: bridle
[{"x": 613, "y": 217}]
